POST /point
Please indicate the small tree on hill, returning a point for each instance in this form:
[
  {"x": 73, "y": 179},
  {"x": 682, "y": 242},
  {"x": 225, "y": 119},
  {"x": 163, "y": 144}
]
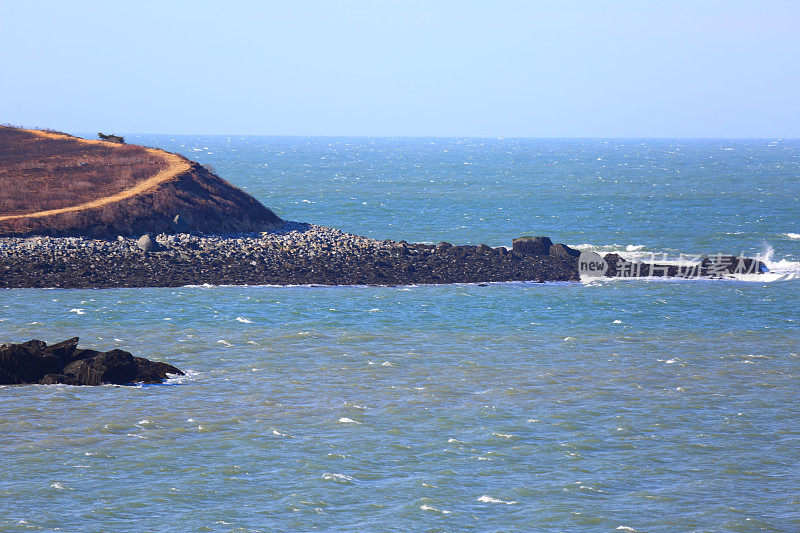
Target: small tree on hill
[{"x": 111, "y": 138}]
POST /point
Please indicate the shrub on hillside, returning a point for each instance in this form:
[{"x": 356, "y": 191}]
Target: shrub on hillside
[{"x": 111, "y": 138}]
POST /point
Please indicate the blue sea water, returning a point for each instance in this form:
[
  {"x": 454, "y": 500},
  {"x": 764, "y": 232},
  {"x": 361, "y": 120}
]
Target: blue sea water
[{"x": 635, "y": 405}]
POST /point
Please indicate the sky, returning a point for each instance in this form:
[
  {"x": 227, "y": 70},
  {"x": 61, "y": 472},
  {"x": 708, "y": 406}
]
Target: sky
[{"x": 404, "y": 68}]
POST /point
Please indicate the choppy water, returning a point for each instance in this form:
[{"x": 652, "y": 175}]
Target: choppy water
[{"x": 617, "y": 405}]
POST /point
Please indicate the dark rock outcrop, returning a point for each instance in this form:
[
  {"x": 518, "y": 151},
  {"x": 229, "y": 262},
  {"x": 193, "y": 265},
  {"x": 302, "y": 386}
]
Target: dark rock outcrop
[
  {"x": 63, "y": 363},
  {"x": 26, "y": 362},
  {"x": 114, "y": 366},
  {"x": 532, "y": 245},
  {"x": 148, "y": 371},
  {"x": 63, "y": 350}
]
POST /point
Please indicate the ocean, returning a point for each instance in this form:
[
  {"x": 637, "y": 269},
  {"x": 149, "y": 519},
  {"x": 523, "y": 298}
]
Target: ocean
[{"x": 636, "y": 405}]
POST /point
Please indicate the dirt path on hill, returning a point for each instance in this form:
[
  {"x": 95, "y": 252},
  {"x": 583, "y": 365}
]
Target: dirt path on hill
[{"x": 176, "y": 166}]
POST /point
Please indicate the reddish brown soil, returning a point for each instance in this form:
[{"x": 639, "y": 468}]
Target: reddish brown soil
[{"x": 39, "y": 173}]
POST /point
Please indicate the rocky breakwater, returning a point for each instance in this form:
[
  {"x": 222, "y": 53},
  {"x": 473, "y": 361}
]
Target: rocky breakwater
[
  {"x": 64, "y": 363},
  {"x": 293, "y": 253}
]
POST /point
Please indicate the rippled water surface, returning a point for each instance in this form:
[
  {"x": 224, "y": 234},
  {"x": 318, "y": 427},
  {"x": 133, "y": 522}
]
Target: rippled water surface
[{"x": 618, "y": 405}]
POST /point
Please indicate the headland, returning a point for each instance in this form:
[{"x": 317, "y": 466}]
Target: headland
[{"x": 56, "y": 184}]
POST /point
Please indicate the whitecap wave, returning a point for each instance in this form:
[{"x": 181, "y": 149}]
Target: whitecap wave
[
  {"x": 779, "y": 269},
  {"x": 488, "y": 499},
  {"x": 426, "y": 507},
  {"x": 338, "y": 478},
  {"x": 793, "y": 236},
  {"x": 630, "y": 252},
  {"x": 177, "y": 379}
]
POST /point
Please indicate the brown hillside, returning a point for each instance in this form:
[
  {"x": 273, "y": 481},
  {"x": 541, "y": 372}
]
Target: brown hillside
[{"x": 56, "y": 184}]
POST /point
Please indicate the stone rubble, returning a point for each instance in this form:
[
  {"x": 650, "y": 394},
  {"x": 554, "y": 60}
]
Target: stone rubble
[{"x": 294, "y": 253}]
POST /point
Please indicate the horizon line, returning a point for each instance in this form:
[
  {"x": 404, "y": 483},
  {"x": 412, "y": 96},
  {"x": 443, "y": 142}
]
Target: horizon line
[
  {"x": 383, "y": 136},
  {"x": 495, "y": 137}
]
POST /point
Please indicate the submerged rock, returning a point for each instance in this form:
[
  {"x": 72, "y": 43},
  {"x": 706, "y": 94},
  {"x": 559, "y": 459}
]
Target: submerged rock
[{"x": 64, "y": 363}]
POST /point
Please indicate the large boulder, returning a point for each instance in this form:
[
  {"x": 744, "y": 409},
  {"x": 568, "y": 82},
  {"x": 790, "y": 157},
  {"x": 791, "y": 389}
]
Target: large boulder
[
  {"x": 147, "y": 244},
  {"x": 63, "y": 350},
  {"x": 563, "y": 251},
  {"x": 532, "y": 245},
  {"x": 115, "y": 366},
  {"x": 148, "y": 371}
]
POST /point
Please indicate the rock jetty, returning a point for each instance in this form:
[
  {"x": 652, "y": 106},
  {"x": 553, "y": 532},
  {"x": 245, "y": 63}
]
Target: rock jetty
[
  {"x": 294, "y": 253},
  {"x": 304, "y": 254},
  {"x": 64, "y": 363}
]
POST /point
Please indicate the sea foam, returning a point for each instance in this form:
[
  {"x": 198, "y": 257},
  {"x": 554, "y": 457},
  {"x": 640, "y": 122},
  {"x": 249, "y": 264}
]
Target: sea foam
[{"x": 488, "y": 499}]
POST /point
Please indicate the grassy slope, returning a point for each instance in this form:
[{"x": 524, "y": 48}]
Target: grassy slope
[{"x": 56, "y": 184}]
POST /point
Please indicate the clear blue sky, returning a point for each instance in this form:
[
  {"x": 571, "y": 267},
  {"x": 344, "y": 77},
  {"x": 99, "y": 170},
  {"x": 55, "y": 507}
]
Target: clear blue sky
[{"x": 492, "y": 68}]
